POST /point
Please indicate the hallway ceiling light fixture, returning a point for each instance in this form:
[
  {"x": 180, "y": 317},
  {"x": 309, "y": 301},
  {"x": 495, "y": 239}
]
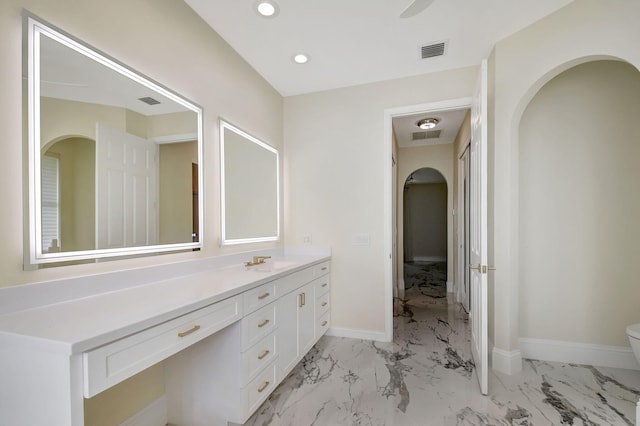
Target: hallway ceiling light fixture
[
  {"x": 301, "y": 58},
  {"x": 427, "y": 123},
  {"x": 267, "y": 8}
]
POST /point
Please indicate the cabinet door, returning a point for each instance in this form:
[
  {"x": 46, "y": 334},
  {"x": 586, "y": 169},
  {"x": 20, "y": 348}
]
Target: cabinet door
[
  {"x": 287, "y": 341},
  {"x": 306, "y": 319}
]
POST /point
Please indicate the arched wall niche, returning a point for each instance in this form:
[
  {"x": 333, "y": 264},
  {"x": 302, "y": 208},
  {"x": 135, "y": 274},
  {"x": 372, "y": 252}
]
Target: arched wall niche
[
  {"x": 578, "y": 145},
  {"x": 518, "y": 66}
]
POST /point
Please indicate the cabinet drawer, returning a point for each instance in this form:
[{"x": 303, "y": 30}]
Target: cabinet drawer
[
  {"x": 257, "y": 357},
  {"x": 258, "y": 325},
  {"x": 259, "y": 297},
  {"x": 296, "y": 280},
  {"x": 322, "y": 286},
  {"x": 259, "y": 389},
  {"x": 110, "y": 364},
  {"x": 322, "y": 324},
  {"x": 321, "y": 269},
  {"x": 322, "y": 305}
]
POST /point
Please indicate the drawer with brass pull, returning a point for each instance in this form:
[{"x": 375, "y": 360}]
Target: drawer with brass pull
[
  {"x": 258, "y": 356},
  {"x": 258, "y": 297},
  {"x": 322, "y": 305},
  {"x": 322, "y": 286},
  {"x": 323, "y": 323},
  {"x": 112, "y": 363},
  {"x": 259, "y": 388},
  {"x": 321, "y": 269},
  {"x": 257, "y": 325}
]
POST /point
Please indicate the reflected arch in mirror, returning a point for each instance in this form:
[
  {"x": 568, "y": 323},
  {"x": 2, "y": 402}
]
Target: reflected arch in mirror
[
  {"x": 68, "y": 194},
  {"x": 250, "y": 196}
]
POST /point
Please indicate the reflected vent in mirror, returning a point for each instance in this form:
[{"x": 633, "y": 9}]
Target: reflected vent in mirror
[{"x": 149, "y": 100}]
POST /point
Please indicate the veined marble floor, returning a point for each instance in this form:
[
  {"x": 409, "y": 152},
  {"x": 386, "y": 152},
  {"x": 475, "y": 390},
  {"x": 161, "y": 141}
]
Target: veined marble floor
[{"x": 426, "y": 377}]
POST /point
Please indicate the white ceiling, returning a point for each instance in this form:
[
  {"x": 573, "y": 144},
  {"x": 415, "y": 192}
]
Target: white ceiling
[{"x": 354, "y": 42}]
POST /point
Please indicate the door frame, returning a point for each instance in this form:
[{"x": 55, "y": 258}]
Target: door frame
[
  {"x": 462, "y": 224},
  {"x": 389, "y": 253}
]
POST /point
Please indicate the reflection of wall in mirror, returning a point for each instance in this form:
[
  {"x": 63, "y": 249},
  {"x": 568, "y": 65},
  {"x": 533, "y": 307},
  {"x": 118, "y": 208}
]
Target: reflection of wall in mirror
[
  {"x": 251, "y": 188},
  {"x": 68, "y": 120},
  {"x": 176, "y": 195}
]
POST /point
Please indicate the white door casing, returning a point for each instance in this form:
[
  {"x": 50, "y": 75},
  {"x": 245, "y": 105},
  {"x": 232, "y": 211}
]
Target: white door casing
[
  {"x": 463, "y": 230},
  {"x": 126, "y": 189},
  {"x": 478, "y": 242}
]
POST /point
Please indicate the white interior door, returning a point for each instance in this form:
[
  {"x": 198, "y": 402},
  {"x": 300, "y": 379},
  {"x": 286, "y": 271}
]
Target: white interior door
[
  {"x": 478, "y": 235},
  {"x": 126, "y": 189}
]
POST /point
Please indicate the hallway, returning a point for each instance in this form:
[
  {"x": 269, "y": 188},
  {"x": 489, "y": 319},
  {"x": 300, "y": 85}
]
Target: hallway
[{"x": 426, "y": 377}]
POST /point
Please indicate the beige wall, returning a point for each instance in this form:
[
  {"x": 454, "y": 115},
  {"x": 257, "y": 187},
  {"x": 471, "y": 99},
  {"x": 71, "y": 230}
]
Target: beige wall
[
  {"x": 335, "y": 171},
  {"x": 220, "y": 83},
  {"x": 425, "y": 221},
  {"x": 579, "y": 205},
  {"x": 521, "y": 64},
  {"x": 176, "y": 197}
]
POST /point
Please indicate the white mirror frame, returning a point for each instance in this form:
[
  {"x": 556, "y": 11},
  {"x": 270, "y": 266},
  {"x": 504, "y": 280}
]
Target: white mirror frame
[
  {"x": 35, "y": 27},
  {"x": 223, "y": 125}
]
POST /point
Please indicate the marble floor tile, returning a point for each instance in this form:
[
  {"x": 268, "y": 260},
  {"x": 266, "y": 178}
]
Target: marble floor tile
[{"x": 426, "y": 376}]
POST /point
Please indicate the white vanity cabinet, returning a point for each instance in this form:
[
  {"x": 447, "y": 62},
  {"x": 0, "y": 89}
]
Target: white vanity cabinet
[
  {"x": 228, "y": 375},
  {"x": 218, "y": 327},
  {"x": 298, "y": 311}
]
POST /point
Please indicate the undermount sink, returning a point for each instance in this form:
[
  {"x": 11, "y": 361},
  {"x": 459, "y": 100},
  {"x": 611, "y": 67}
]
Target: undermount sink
[{"x": 271, "y": 266}]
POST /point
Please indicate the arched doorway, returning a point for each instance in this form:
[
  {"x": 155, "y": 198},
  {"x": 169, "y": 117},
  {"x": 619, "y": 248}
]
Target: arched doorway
[{"x": 425, "y": 234}]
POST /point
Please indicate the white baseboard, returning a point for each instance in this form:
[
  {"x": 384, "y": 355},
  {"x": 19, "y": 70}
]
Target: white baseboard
[
  {"x": 449, "y": 286},
  {"x": 579, "y": 353},
  {"x": 154, "y": 414},
  {"x": 378, "y": 336},
  {"x": 507, "y": 362},
  {"x": 429, "y": 259}
]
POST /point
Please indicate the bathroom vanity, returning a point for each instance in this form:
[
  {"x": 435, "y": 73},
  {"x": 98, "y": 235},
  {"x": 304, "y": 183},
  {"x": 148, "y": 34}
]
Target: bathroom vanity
[{"x": 228, "y": 334}]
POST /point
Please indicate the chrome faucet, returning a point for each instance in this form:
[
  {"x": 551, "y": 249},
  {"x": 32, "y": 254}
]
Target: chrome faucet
[{"x": 257, "y": 260}]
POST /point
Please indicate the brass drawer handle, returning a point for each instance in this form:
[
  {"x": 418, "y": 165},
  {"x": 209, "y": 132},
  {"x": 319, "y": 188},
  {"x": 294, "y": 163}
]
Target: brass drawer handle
[
  {"x": 324, "y": 285},
  {"x": 264, "y": 386},
  {"x": 189, "y": 331},
  {"x": 263, "y": 354},
  {"x": 323, "y": 323},
  {"x": 324, "y": 268},
  {"x": 302, "y": 300},
  {"x": 324, "y": 304},
  {"x": 263, "y": 323},
  {"x": 262, "y": 296}
]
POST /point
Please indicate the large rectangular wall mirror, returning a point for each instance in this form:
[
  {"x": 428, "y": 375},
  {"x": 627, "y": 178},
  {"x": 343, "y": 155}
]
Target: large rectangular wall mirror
[
  {"x": 115, "y": 159},
  {"x": 250, "y": 187}
]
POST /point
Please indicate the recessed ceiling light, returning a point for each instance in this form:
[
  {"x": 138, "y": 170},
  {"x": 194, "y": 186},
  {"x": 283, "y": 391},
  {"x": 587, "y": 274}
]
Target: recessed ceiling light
[
  {"x": 267, "y": 8},
  {"x": 301, "y": 58},
  {"x": 427, "y": 123}
]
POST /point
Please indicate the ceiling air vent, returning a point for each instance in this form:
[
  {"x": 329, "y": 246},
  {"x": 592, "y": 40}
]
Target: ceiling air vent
[
  {"x": 431, "y": 134},
  {"x": 432, "y": 50},
  {"x": 149, "y": 100}
]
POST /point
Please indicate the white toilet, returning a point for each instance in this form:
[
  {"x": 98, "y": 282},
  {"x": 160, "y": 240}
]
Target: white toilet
[{"x": 633, "y": 331}]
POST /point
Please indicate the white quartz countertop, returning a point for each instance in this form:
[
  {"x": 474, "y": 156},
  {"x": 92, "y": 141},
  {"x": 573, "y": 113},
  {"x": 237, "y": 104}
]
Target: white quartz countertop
[{"x": 80, "y": 324}]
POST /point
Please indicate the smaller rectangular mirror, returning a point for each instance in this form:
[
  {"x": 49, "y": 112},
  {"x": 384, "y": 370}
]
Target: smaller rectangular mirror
[{"x": 250, "y": 187}]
